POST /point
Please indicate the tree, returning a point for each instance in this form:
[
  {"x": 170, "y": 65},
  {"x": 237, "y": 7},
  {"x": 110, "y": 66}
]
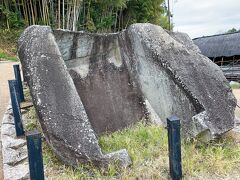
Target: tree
[
  {"x": 88, "y": 15},
  {"x": 232, "y": 30}
]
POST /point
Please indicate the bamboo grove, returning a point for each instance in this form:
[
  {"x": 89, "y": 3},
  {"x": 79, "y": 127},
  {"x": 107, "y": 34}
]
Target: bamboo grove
[{"x": 87, "y": 15}]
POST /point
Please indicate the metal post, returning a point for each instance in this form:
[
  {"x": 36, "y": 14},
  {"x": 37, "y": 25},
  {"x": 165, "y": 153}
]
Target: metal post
[
  {"x": 19, "y": 80},
  {"x": 174, "y": 146},
  {"x": 34, "y": 145},
  {"x": 16, "y": 108}
]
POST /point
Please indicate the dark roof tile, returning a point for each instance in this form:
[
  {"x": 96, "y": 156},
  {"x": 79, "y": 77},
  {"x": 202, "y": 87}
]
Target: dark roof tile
[{"x": 219, "y": 45}]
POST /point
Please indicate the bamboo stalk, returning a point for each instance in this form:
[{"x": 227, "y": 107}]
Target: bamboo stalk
[
  {"x": 74, "y": 16},
  {"x": 41, "y": 11},
  {"x": 29, "y": 13},
  {"x": 59, "y": 14},
  {"x": 47, "y": 14},
  {"x": 35, "y": 11},
  {"x": 63, "y": 14},
  {"x": 25, "y": 12},
  {"x": 31, "y": 5}
]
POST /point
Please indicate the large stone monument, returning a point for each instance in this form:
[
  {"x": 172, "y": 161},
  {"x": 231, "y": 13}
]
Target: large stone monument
[{"x": 84, "y": 84}]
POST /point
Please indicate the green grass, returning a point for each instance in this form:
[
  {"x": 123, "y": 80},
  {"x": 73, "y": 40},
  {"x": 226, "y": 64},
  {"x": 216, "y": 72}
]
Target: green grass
[
  {"x": 4, "y": 56},
  {"x": 31, "y": 120},
  {"x": 148, "y": 148},
  {"x": 235, "y": 86}
]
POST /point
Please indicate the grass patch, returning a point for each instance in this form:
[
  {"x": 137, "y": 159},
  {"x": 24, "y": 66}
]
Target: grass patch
[
  {"x": 235, "y": 86},
  {"x": 31, "y": 120},
  {"x": 147, "y": 146},
  {"x": 141, "y": 141},
  {"x": 4, "y": 56}
]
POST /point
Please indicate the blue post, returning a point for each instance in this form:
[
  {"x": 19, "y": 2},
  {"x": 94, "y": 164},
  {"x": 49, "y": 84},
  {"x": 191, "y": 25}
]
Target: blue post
[
  {"x": 174, "y": 146},
  {"x": 34, "y": 145},
  {"x": 19, "y": 80},
  {"x": 16, "y": 108}
]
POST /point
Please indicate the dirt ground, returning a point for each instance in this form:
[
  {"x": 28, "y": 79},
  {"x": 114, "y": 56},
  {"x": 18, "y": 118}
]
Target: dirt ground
[{"x": 6, "y": 73}]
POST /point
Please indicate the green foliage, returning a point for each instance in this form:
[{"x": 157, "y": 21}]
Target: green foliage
[
  {"x": 164, "y": 22},
  {"x": 90, "y": 15},
  {"x": 8, "y": 41},
  {"x": 233, "y": 30},
  {"x": 12, "y": 17},
  {"x": 9, "y": 36},
  {"x": 145, "y": 11},
  {"x": 116, "y": 15}
]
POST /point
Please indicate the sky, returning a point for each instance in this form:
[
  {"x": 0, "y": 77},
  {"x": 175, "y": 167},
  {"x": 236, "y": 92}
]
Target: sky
[{"x": 205, "y": 17}]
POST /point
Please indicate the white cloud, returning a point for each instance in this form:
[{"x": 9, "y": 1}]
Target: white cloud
[{"x": 206, "y": 17}]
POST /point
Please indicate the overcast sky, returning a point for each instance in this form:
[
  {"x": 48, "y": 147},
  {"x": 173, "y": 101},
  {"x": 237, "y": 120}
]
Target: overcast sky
[{"x": 205, "y": 17}]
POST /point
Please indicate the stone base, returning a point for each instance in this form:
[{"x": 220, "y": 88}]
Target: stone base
[{"x": 14, "y": 150}]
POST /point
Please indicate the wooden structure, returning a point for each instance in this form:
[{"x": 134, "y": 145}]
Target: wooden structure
[{"x": 224, "y": 50}]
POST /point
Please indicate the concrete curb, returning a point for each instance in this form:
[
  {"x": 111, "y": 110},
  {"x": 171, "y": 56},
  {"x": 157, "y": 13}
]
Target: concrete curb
[{"x": 14, "y": 150}]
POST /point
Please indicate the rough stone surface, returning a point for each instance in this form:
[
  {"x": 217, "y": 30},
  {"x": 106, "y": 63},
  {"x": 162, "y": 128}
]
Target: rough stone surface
[
  {"x": 164, "y": 68},
  {"x": 60, "y": 110},
  {"x": 184, "y": 39},
  {"x": 14, "y": 150},
  {"x": 84, "y": 83},
  {"x": 95, "y": 64},
  {"x": 121, "y": 157},
  {"x": 176, "y": 79}
]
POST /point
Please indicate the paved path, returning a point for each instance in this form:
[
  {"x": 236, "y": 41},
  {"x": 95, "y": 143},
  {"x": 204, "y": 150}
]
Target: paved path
[{"x": 6, "y": 73}]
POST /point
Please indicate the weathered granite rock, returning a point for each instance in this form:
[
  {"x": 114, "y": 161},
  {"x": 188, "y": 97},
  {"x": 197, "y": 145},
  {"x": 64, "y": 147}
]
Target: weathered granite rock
[
  {"x": 17, "y": 172},
  {"x": 184, "y": 39},
  {"x": 176, "y": 79},
  {"x": 58, "y": 105},
  {"x": 165, "y": 67},
  {"x": 14, "y": 150},
  {"x": 82, "y": 82},
  {"x": 101, "y": 77}
]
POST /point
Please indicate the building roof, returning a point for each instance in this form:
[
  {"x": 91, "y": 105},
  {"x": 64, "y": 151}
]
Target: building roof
[{"x": 219, "y": 45}]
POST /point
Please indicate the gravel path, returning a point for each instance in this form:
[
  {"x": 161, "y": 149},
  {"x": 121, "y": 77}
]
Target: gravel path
[{"x": 6, "y": 73}]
